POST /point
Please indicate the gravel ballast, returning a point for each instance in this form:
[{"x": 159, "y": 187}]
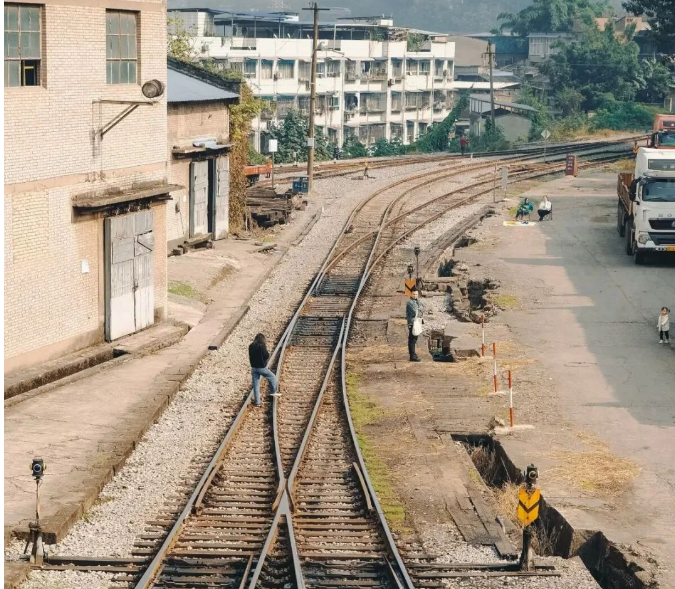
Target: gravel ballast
[{"x": 202, "y": 411}]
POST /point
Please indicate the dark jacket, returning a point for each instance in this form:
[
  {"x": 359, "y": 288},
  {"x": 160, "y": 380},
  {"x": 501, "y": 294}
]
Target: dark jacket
[{"x": 258, "y": 355}]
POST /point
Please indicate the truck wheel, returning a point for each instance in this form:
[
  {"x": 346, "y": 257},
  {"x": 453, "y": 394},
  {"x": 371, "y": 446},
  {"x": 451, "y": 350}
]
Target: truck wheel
[
  {"x": 620, "y": 225},
  {"x": 628, "y": 231},
  {"x": 638, "y": 256}
]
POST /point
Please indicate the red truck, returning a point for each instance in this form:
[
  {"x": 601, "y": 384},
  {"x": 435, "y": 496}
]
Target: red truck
[{"x": 663, "y": 133}]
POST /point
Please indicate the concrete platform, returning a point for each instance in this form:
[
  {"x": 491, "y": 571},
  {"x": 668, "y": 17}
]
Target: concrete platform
[
  {"x": 85, "y": 430},
  {"x": 580, "y": 325}
]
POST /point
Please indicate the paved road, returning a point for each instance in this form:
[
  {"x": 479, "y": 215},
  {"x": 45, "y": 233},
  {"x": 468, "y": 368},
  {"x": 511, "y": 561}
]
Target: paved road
[{"x": 595, "y": 332}]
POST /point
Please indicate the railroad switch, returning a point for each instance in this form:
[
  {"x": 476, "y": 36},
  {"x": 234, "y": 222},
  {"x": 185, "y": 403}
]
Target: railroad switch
[
  {"x": 37, "y": 553},
  {"x": 529, "y": 499}
]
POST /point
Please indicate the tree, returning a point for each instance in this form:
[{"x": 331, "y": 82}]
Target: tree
[
  {"x": 654, "y": 82},
  {"x": 556, "y": 16},
  {"x": 437, "y": 137},
  {"x": 624, "y": 116},
  {"x": 569, "y": 101},
  {"x": 292, "y": 137},
  {"x": 180, "y": 43},
  {"x": 384, "y": 148},
  {"x": 597, "y": 63},
  {"x": 661, "y": 17},
  {"x": 353, "y": 147}
]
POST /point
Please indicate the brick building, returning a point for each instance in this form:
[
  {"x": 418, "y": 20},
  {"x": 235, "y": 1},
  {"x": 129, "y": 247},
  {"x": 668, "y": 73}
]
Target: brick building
[
  {"x": 199, "y": 134},
  {"x": 85, "y": 174}
]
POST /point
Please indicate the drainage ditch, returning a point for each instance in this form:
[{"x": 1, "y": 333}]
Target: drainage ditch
[{"x": 554, "y": 536}]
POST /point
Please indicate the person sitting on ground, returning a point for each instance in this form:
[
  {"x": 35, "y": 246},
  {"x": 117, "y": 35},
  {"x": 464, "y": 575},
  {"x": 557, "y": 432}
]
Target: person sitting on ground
[
  {"x": 525, "y": 208},
  {"x": 413, "y": 310},
  {"x": 545, "y": 208},
  {"x": 258, "y": 357}
]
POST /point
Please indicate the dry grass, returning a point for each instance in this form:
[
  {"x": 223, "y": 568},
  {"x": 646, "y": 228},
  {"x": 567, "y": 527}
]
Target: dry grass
[
  {"x": 506, "y": 500},
  {"x": 505, "y": 301},
  {"x": 595, "y": 471},
  {"x": 222, "y": 274}
]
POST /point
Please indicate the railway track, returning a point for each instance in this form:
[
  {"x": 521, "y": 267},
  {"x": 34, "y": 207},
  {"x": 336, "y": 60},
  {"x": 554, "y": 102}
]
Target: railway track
[
  {"x": 344, "y": 168},
  {"x": 286, "y": 500}
]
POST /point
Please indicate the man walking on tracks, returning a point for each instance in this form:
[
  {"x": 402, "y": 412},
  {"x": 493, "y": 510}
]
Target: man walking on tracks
[
  {"x": 413, "y": 315},
  {"x": 258, "y": 357}
]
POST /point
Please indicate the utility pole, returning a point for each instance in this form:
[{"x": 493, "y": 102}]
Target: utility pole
[
  {"x": 492, "y": 90},
  {"x": 312, "y": 96}
]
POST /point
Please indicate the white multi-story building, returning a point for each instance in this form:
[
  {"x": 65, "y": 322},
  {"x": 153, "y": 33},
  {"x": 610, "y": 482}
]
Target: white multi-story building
[{"x": 373, "y": 79}]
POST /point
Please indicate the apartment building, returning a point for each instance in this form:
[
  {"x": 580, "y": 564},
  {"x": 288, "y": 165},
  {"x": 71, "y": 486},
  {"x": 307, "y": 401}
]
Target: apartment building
[
  {"x": 373, "y": 79},
  {"x": 85, "y": 174}
]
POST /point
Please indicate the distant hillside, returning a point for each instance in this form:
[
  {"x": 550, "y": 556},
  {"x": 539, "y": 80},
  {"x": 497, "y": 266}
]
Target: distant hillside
[{"x": 460, "y": 16}]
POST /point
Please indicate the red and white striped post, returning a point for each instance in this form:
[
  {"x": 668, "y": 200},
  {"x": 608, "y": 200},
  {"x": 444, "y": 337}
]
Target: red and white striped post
[
  {"x": 494, "y": 373},
  {"x": 510, "y": 398},
  {"x": 482, "y": 346}
]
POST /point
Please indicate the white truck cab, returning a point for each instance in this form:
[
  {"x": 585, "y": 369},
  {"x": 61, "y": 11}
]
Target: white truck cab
[{"x": 647, "y": 204}]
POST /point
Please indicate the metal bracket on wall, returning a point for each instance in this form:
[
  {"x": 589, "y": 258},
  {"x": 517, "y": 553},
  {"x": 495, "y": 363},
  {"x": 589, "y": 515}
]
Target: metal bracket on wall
[{"x": 131, "y": 107}]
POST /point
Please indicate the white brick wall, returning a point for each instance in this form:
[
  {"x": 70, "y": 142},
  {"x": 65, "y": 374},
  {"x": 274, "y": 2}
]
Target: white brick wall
[{"x": 51, "y": 154}]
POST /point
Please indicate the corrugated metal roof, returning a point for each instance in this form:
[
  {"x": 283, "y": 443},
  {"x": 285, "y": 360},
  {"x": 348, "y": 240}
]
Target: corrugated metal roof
[
  {"x": 485, "y": 103},
  {"x": 184, "y": 88}
]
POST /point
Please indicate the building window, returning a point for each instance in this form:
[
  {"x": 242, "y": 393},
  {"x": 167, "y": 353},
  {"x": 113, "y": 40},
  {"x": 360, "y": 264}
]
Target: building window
[
  {"x": 397, "y": 68},
  {"x": 285, "y": 69},
  {"x": 439, "y": 66},
  {"x": 250, "y": 66},
  {"x": 304, "y": 71},
  {"x": 22, "y": 45},
  {"x": 266, "y": 69},
  {"x": 425, "y": 68},
  {"x": 121, "y": 54},
  {"x": 333, "y": 68}
]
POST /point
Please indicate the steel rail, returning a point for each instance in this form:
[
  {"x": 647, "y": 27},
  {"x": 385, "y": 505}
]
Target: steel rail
[
  {"x": 330, "y": 170},
  {"x": 196, "y": 498},
  {"x": 366, "y": 275}
]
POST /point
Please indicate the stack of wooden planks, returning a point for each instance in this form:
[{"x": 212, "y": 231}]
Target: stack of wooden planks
[{"x": 267, "y": 207}]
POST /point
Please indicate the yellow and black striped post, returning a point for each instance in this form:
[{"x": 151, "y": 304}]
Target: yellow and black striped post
[{"x": 529, "y": 499}]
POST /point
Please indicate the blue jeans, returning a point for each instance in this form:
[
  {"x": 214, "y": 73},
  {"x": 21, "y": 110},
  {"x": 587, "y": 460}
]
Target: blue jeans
[{"x": 256, "y": 374}]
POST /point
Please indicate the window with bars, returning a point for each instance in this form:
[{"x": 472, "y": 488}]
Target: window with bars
[
  {"x": 121, "y": 49},
  {"x": 439, "y": 66},
  {"x": 304, "y": 71},
  {"x": 22, "y": 45}
]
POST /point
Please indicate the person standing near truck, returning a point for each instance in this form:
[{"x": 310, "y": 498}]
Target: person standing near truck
[{"x": 663, "y": 325}]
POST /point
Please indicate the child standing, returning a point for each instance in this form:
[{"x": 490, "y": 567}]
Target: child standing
[{"x": 663, "y": 325}]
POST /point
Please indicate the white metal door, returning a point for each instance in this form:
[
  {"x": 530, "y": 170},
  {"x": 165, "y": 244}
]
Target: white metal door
[
  {"x": 119, "y": 274},
  {"x": 199, "y": 198},
  {"x": 222, "y": 197},
  {"x": 144, "y": 294},
  {"x": 129, "y": 290}
]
